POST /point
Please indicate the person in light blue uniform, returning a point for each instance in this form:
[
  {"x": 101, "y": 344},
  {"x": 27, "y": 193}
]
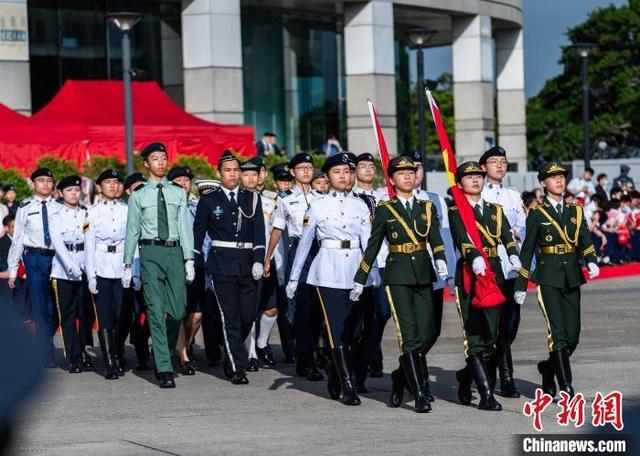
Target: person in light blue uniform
[{"x": 33, "y": 245}]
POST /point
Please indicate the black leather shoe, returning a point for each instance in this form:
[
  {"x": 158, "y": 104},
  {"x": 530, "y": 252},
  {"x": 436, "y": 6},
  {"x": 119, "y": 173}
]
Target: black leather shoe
[
  {"x": 166, "y": 380},
  {"x": 397, "y": 388},
  {"x": 289, "y": 359},
  {"x": 239, "y": 378},
  {"x": 483, "y": 383},
  {"x": 464, "y": 385},
  {"x": 313, "y": 374},
  {"x": 86, "y": 361},
  {"x": 265, "y": 355},
  {"x": 187, "y": 369},
  {"x": 119, "y": 365},
  {"x": 414, "y": 376},
  {"x": 253, "y": 365},
  {"x": 548, "y": 377},
  {"x": 375, "y": 369},
  {"x": 333, "y": 380},
  {"x": 302, "y": 365},
  {"x": 74, "y": 367}
]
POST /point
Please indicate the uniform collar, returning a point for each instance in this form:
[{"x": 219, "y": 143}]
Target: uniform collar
[
  {"x": 357, "y": 189},
  {"x": 339, "y": 194},
  {"x": 491, "y": 186},
  {"x": 228, "y": 191},
  {"x": 112, "y": 202},
  {"x": 40, "y": 200}
]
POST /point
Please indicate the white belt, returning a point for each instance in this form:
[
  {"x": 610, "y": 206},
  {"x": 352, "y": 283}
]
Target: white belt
[
  {"x": 110, "y": 248},
  {"x": 335, "y": 244},
  {"x": 232, "y": 245}
]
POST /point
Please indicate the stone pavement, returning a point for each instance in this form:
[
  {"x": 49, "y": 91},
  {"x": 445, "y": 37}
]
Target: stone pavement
[{"x": 278, "y": 413}]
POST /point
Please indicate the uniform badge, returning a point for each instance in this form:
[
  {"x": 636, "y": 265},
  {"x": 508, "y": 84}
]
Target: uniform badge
[
  {"x": 548, "y": 238},
  {"x": 394, "y": 235},
  {"x": 573, "y": 220},
  {"x": 494, "y": 218},
  {"x": 424, "y": 217},
  {"x": 85, "y": 227},
  {"x": 217, "y": 212},
  {"x": 305, "y": 221}
]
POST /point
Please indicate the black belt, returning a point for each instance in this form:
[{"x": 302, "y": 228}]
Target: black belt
[
  {"x": 112, "y": 249},
  {"x": 40, "y": 251},
  {"x": 75, "y": 247},
  {"x": 159, "y": 242}
]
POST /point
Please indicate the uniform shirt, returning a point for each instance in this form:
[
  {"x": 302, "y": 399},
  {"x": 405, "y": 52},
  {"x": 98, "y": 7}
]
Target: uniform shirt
[
  {"x": 67, "y": 229},
  {"x": 269, "y": 204},
  {"x": 379, "y": 196},
  {"x": 142, "y": 217},
  {"x": 29, "y": 230},
  {"x": 341, "y": 217},
  {"x": 290, "y": 211},
  {"x": 445, "y": 234},
  {"x": 192, "y": 205},
  {"x": 510, "y": 200},
  {"x": 107, "y": 227}
]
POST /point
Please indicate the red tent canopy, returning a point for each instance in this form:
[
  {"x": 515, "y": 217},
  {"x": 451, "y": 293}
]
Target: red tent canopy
[{"x": 86, "y": 118}]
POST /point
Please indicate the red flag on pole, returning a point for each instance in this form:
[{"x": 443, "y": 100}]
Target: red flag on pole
[
  {"x": 382, "y": 146},
  {"x": 486, "y": 290}
]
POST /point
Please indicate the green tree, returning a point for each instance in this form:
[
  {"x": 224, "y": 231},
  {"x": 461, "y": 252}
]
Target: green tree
[
  {"x": 58, "y": 166},
  {"x": 200, "y": 166},
  {"x": 15, "y": 177},
  {"x": 554, "y": 116},
  {"x": 93, "y": 167}
]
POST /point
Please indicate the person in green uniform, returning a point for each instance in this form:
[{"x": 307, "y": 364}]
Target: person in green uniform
[
  {"x": 561, "y": 234},
  {"x": 158, "y": 222},
  {"x": 479, "y": 324},
  {"x": 409, "y": 225}
]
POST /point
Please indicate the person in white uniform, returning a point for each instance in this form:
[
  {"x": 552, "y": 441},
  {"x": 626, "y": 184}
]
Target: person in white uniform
[
  {"x": 494, "y": 163},
  {"x": 341, "y": 224},
  {"x": 67, "y": 235}
]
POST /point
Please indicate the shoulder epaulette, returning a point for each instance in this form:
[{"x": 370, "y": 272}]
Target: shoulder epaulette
[
  {"x": 453, "y": 208},
  {"x": 383, "y": 203},
  {"x": 24, "y": 203},
  {"x": 139, "y": 187},
  {"x": 177, "y": 185}
]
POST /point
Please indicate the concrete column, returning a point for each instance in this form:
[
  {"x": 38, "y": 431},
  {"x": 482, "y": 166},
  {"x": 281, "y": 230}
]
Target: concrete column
[
  {"x": 212, "y": 56},
  {"x": 472, "y": 86},
  {"x": 370, "y": 70},
  {"x": 14, "y": 56},
  {"x": 172, "y": 80},
  {"x": 512, "y": 131}
]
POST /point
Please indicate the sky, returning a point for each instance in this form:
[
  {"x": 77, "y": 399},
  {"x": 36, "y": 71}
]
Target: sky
[{"x": 545, "y": 25}]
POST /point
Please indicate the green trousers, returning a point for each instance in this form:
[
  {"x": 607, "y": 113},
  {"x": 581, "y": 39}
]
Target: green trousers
[
  {"x": 165, "y": 293},
  {"x": 561, "y": 311},
  {"x": 479, "y": 326},
  {"x": 412, "y": 311}
]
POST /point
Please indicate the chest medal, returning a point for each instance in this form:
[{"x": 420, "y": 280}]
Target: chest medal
[
  {"x": 217, "y": 212},
  {"x": 394, "y": 235},
  {"x": 548, "y": 238}
]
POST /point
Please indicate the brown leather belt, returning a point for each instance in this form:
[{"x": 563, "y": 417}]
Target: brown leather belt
[
  {"x": 560, "y": 249},
  {"x": 409, "y": 247}
]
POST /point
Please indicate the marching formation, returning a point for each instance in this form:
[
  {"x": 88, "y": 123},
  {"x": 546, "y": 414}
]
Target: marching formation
[{"x": 329, "y": 261}]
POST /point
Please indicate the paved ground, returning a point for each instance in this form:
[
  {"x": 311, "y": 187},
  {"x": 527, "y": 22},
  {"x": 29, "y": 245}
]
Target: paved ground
[{"x": 281, "y": 414}]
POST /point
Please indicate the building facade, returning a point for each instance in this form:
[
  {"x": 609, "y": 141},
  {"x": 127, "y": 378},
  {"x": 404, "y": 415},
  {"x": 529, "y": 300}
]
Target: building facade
[{"x": 303, "y": 69}]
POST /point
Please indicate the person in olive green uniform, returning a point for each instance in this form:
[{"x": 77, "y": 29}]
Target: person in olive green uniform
[
  {"x": 561, "y": 234},
  {"x": 479, "y": 324},
  {"x": 158, "y": 222},
  {"x": 408, "y": 224}
]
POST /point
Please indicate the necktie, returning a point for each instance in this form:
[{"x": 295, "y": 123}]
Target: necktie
[
  {"x": 407, "y": 206},
  {"x": 232, "y": 198},
  {"x": 559, "y": 209},
  {"x": 45, "y": 224},
  {"x": 163, "y": 224},
  {"x": 477, "y": 211}
]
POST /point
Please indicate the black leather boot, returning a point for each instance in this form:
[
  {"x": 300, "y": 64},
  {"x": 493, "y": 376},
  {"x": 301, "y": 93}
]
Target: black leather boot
[
  {"x": 398, "y": 384},
  {"x": 548, "y": 381},
  {"x": 106, "y": 345},
  {"x": 360, "y": 371},
  {"x": 333, "y": 380},
  {"x": 491, "y": 366},
  {"x": 425, "y": 371},
  {"x": 463, "y": 376},
  {"x": 342, "y": 360},
  {"x": 562, "y": 369},
  {"x": 85, "y": 360},
  {"x": 505, "y": 367},
  {"x": 481, "y": 377},
  {"x": 410, "y": 363},
  {"x": 313, "y": 373},
  {"x": 75, "y": 365}
]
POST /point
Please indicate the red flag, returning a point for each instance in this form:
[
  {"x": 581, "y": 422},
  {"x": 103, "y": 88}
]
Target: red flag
[
  {"x": 486, "y": 290},
  {"x": 382, "y": 146}
]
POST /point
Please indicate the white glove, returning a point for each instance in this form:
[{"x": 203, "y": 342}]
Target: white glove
[
  {"x": 190, "y": 272},
  {"x": 257, "y": 270},
  {"x": 441, "y": 266},
  {"x": 126, "y": 277},
  {"x": 594, "y": 270},
  {"x": 515, "y": 262},
  {"x": 356, "y": 292},
  {"x": 137, "y": 283},
  {"x": 519, "y": 297},
  {"x": 75, "y": 270},
  {"x": 291, "y": 288},
  {"x": 92, "y": 284},
  {"x": 478, "y": 265}
]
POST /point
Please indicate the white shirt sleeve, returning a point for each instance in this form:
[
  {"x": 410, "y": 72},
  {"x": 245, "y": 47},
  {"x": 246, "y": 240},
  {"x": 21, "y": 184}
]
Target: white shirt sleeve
[
  {"x": 306, "y": 240},
  {"x": 17, "y": 243}
]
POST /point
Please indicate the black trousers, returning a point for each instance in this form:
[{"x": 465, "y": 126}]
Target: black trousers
[
  {"x": 211, "y": 325},
  {"x": 109, "y": 303},
  {"x": 343, "y": 318},
  {"x": 509, "y": 316},
  {"x": 237, "y": 300},
  {"x": 68, "y": 295}
]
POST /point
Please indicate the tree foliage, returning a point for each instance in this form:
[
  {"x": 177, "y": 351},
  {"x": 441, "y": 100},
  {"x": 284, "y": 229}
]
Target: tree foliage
[
  {"x": 58, "y": 166},
  {"x": 554, "y": 116},
  {"x": 15, "y": 177}
]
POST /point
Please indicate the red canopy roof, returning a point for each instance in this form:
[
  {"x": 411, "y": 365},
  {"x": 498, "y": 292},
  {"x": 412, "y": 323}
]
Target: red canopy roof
[{"x": 86, "y": 118}]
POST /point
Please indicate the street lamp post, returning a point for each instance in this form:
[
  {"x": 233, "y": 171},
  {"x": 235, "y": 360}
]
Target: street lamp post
[
  {"x": 125, "y": 23},
  {"x": 417, "y": 39},
  {"x": 584, "y": 50}
]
